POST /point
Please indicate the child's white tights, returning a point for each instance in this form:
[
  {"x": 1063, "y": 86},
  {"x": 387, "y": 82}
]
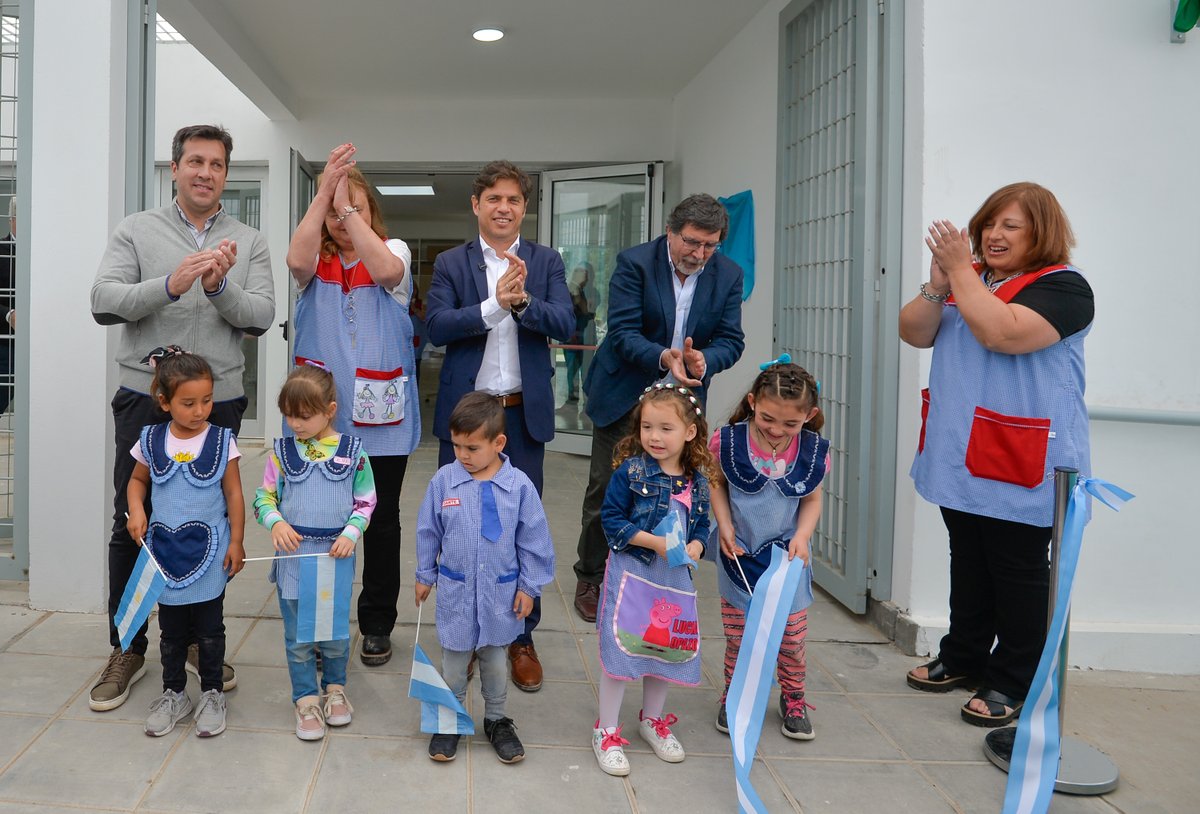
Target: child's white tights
[{"x": 612, "y": 691}]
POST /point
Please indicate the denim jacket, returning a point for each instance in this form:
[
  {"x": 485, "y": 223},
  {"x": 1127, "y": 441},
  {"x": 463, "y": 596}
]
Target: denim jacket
[{"x": 638, "y": 498}]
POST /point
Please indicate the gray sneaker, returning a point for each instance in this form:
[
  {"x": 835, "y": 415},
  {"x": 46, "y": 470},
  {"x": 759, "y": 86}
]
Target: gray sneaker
[
  {"x": 166, "y": 711},
  {"x": 122, "y": 672},
  {"x": 794, "y": 711},
  {"x": 210, "y": 716},
  {"x": 228, "y": 676},
  {"x": 210, "y": 713}
]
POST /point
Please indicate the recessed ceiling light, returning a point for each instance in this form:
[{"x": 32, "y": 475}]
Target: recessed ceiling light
[
  {"x": 488, "y": 34},
  {"x": 417, "y": 189}
]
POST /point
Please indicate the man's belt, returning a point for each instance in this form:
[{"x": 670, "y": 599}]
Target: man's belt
[{"x": 509, "y": 399}]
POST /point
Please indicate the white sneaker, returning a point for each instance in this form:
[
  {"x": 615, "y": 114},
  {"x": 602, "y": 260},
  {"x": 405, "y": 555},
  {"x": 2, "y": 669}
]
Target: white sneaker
[
  {"x": 166, "y": 711},
  {"x": 337, "y": 709},
  {"x": 310, "y": 720},
  {"x": 657, "y": 733},
  {"x": 609, "y": 754}
]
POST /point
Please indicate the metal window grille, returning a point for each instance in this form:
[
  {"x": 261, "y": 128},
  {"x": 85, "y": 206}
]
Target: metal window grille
[{"x": 10, "y": 30}]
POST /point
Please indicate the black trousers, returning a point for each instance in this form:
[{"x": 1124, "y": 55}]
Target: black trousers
[
  {"x": 381, "y": 549},
  {"x": 999, "y": 593},
  {"x": 203, "y": 622},
  {"x": 593, "y": 545},
  {"x": 131, "y": 412},
  {"x": 528, "y": 455}
]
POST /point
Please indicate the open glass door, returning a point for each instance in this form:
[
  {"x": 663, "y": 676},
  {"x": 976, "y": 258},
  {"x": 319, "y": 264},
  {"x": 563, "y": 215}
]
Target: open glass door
[{"x": 589, "y": 215}]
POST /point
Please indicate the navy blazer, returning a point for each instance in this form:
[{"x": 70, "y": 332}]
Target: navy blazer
[
  {"x": 453, "y": 317},
  {"x": 641, "y": 323}
]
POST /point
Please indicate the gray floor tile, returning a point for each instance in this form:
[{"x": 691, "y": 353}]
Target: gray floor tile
[
  {"x": 842, "y": 731},
  {"x": 34, "y": 808},
  {"x": 829, "y": 621},
  {"x": 855, "y": 788},
  {"x": 42, "y": 685},
  {"x": 110, "y": 765},
  {"x": 18, "y": 731},
  {"x": 979, "y": 789},
  {"x": 927, "y": 726},
  {"x": 262, "y": 700},
  {"x": 559, "y": 714},
  {"x": 659, "y": 787},
  {"x": 141, "y": 694},
  {"x": 862, "y": 667},
  {"x": 560, "y": 655},
  {"x": 65, "y": 634},
  {"x": 262, "y": 771},
  {"x": 386, "y": 774},
  {"x": 262, "y": 646},
  {"x": 14, "y": 620},
  {"x": 547, "y": 780},
  {"x": 382, "y": 706}
]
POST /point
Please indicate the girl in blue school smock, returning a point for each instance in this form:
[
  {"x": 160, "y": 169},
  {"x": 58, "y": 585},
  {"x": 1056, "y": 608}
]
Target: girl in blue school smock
[
  {"x": 647, "y": 617},
  {"x": 774, "y": 461}
]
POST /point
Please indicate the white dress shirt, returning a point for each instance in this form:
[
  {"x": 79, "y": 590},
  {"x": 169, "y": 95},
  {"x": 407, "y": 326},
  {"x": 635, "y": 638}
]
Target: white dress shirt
[
  {"x": 684, "y": 292},
  {"x": 500, "y": 371}
]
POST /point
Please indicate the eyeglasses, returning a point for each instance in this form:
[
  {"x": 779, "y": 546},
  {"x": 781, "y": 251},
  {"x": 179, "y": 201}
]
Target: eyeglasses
[{"x": 693, "y": 244}]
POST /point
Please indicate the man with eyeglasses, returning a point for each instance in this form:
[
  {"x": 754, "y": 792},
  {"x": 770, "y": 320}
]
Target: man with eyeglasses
[{"x": 674, "y": 314}]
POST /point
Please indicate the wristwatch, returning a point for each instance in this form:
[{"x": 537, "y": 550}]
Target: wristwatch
[{"x": 519, "y": 308}]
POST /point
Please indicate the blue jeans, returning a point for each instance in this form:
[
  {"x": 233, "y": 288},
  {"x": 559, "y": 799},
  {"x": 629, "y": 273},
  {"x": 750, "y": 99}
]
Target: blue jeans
[{"x": 302, "y": 662}]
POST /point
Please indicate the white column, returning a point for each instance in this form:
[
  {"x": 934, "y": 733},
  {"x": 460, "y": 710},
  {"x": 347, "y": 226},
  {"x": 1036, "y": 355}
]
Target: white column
[{"x": 77, "y": 114}]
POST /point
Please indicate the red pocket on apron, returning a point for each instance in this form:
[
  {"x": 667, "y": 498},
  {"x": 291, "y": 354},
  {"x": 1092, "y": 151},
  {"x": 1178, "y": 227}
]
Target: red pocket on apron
[{"x": 1010, "y": 449}]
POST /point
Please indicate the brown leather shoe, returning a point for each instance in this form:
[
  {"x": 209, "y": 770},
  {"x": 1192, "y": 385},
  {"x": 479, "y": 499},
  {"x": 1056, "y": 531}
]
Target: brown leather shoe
[
  {"x": 526, "y": 669},
  {"x": 587, "y": 597}
]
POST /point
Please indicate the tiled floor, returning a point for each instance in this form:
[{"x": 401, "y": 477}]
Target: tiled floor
[{"x": 880, "y": 747}]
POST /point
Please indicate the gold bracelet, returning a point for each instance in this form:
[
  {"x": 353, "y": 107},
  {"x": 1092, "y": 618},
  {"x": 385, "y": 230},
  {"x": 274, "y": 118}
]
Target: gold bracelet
[
  {"x": 938, "y": 298},
  {"x": 346, "y": 212}
]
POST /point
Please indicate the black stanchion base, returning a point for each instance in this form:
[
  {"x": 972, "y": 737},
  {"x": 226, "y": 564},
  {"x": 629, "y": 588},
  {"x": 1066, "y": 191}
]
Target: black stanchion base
[{"x": 1082, "y": 769}]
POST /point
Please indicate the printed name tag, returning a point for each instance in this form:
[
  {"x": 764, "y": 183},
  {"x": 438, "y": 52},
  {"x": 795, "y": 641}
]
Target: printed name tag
[
  {"x": 343, "y": 461},
  {"x": 451, "y": 501}
]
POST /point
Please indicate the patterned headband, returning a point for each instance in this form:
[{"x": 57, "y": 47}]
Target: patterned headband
[
  {"x": 158, "y": 354},
  {"x": 316, "y": 364},
  {"x": 675, "y": 388}
]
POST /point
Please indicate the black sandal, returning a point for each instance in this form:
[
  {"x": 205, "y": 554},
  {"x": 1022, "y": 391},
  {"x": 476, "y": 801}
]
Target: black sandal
[
  {"x": 939, "y": 679},
  {"x": 1002, "y": 709}
]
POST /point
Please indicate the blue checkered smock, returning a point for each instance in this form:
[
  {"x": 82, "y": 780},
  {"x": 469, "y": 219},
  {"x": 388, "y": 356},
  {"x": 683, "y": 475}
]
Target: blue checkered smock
[{"x": 477, "y": 580}]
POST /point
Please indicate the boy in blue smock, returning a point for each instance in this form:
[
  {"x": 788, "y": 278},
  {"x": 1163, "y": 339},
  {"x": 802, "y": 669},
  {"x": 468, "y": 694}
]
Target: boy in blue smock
[{"x": 483, "y": 539}]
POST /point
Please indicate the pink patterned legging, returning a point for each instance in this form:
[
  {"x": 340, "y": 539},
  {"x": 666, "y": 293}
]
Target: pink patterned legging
[{"x": 790, "y": 666}]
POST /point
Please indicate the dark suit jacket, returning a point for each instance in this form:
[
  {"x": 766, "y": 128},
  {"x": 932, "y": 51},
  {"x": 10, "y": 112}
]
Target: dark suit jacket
[
  {"x": 641, "y": 322},
  {"x": 453, "y": 318}
]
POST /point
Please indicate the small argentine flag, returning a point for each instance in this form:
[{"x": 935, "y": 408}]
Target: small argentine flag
[
  {"x": 672, "y": 528},
  {"x": 323, "y": 599},
  {"x": 441, "y": 712},
  {"x": 141, "y": 594}
]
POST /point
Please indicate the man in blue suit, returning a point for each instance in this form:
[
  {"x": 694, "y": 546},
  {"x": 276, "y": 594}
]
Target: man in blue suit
[
  {"x": 674, "y": 314},
  {"x": 494, "y": 302}
]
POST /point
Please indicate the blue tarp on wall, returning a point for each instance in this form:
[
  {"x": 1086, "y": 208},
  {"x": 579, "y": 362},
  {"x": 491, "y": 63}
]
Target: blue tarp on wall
[{"x": 738, "y": 245}]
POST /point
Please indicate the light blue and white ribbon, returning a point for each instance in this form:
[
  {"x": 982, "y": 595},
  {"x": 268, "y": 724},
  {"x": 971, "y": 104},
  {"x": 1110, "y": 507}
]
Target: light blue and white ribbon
[
  {"x": 1034, "y": 764},
  {"x": 746, "y": 702}
]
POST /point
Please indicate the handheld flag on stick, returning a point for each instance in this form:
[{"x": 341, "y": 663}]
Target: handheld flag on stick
[
  {"x": 441, "y": 712},
  {"x": 323, "y": 599},
  {"x": 145, "y": 585},
  {"x": 747, "y": 699},
  {"x": 1033, "y": 768},
  {"x": 672, "y": 528}
]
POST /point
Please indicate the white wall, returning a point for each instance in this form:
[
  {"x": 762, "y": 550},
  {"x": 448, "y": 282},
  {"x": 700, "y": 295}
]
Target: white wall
[
  {"x": 725, "y": 140},
  {"x": 68, "y": 509},
  {"x": 1101, "y": 109}
]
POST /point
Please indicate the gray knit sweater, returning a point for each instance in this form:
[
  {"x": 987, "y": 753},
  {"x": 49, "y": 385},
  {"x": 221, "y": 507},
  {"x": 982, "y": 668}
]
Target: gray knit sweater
[{"x": 131, "y": 290}]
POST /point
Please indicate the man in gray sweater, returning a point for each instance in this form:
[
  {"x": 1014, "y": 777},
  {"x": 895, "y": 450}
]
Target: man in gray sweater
[{"x": 191, "y": 275}]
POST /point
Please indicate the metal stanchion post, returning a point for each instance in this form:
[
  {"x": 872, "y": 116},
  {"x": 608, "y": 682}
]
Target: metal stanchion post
[{"x": 1082, "y": 769}]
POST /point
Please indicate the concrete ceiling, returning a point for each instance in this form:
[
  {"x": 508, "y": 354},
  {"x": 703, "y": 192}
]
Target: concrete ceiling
[{"x": 293, "y": 57}]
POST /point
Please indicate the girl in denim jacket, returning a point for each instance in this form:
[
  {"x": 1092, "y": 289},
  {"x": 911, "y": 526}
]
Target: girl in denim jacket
[{"x": 656, "y": 517}]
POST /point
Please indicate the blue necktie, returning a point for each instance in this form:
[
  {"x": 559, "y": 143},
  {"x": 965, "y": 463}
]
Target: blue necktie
[{"x": 490, "y": 523}]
